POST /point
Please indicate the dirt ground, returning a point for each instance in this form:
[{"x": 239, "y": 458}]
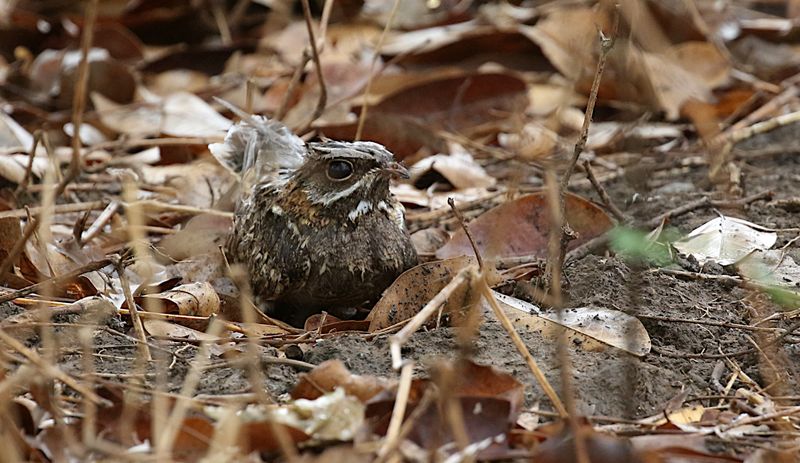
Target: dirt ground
[{"x": 609, "y": 383}]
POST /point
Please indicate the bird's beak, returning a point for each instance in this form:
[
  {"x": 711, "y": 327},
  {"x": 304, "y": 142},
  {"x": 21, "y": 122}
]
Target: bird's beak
[{"x": 397, "y": 170}]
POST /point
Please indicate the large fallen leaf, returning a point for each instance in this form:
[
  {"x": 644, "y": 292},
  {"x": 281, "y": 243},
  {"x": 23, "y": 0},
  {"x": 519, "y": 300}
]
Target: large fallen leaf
[
  {"x": 196, "y": 184},
  {"x": 725, "y": 240},
  {"x": 522, "y": 228},
  {"x": 703, "y": 60},
  {"x": 408, "y": 194},
  {"x": 180, "y": 114},
  {"x": 459, "y": 103},
  {"x": 403, "y": 136},
  {"x": 10, "y": 233},
  {"x": 466, "y": 42},
  {"x": 592, "y": 327},
  {"x": 203, "y": 233},
  {"x": 475, "y": 380},
  {"x": 415, "y": 288},
  {"x": 489, "y": 400},
  {"x": 187, "y": 115}
]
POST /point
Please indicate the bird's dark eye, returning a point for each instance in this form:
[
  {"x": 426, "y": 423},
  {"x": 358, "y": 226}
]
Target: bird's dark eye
[{"x": 339, "y": 170}]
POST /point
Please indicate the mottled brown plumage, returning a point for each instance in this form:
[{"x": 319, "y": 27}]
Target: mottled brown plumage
[{"x": 316, "y": 226}]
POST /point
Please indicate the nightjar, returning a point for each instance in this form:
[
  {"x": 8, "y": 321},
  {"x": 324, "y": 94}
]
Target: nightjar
[{"x": 316, "y": 225}]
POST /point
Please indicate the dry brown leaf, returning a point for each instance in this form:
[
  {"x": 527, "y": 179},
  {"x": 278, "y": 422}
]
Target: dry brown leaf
[
  {"x": 428, "y": 240},
  {"x": 591, "y": 328},
  {"x": 331, "y": 374},
  {"x": 196, "y": 184},
  {"x": 180, "y": 114},
  {"x": 416, "y": 287},
  {"x": 459, "y": 103},
  {"x": 703, "y": 60},
  {"x": 532, "y": 142},
  {"x": 522, "y": 228},
  {"x": 10, "y": 233},
  {"x": 195, "y": 299},
  {"x": 260, "y": 329},
  {"x": 202, "y": 234},
  {"x": 475, "y": 380},
  {"x": 14, "y": 139},
  {"x": 403, "y": 136}
]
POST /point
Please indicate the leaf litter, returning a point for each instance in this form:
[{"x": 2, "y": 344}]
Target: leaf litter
[{"x": 120, "y": 312}]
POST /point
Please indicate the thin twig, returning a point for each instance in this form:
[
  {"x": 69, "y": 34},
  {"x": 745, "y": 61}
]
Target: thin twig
[
  {"x": 293, "y": 83},
  {"x": 57, "y": 209},
  {"x": 463, "y": 277},
  {"x": 55, "y": 281},
  {"x": 464, "y": 226},
  {"x": 222, "y": 22},
  {"x": 759, "y": 419},
  {"x": 79, "y": 96},
  {"x": 155, "y": 205},
  {"x": 607, "y": 43},
  {"x": 398, "y": 412},
  {"x": 323, "y": 92},
  {"x": 523, "y": 349},
  {"x": 587, "y": 166},
  {"x": 364, "y": 108},
  {"x": 133, "y": 310},
  {"x": 23, "y": 185}
]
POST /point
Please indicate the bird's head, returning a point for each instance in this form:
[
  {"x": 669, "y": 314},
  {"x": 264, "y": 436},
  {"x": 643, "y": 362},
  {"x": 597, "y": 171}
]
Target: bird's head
[{"x": 347, "y": 175}]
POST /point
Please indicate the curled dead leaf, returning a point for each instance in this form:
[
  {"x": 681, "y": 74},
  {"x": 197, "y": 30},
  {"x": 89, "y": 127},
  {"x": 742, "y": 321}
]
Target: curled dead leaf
[{"x": 195, "y": 299}]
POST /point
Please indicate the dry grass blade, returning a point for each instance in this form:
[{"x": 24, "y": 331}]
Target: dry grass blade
[
  {"x": 312, "y": 42},
  {"x": 392, "y": 439},
  {"x": 133, "y": 310},
  {"x": 80, "y": 95},
  {"x": 56, "y": 209},
  {"x": 523, "y": 350},
  {"x": 362, "y": 118},
  {"x": 51, "y": 282},
  {"x": 463, "y": 277}
]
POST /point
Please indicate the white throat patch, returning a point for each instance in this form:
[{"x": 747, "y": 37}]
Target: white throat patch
[{"x": 363, "y": 207}]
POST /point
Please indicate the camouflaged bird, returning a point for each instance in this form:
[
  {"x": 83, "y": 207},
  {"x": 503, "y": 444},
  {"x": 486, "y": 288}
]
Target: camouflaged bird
[{"x": 316, "y": 225}]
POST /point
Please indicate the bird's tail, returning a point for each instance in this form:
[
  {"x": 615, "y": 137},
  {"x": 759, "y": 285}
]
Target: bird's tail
[{"x": 257, "y": 146}]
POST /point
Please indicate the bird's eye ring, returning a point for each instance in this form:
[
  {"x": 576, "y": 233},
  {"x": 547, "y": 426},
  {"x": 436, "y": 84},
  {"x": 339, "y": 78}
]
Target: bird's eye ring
[{"x": 340, "y": 170}]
